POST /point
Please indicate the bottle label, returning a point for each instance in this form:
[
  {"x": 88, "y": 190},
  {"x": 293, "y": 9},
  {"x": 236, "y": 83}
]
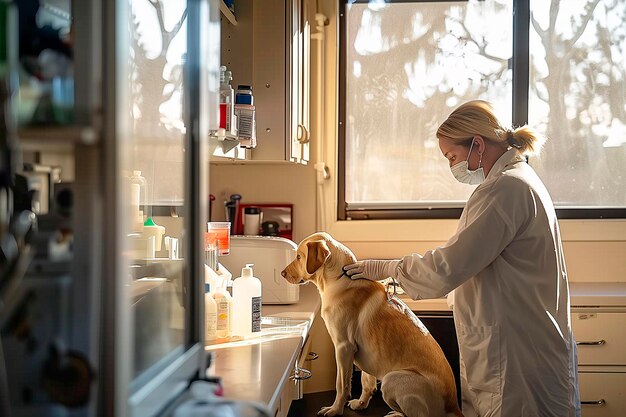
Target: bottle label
[
  {"x": 225, "y": 116},
  {"x": 256, "y": 314},
  {"x": 223, "y": 315},
  {"x": 211, "y": 326}
]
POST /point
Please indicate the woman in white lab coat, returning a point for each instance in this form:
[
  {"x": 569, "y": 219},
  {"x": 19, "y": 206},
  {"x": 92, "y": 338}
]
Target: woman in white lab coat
[{"x": 504, "y": 271}]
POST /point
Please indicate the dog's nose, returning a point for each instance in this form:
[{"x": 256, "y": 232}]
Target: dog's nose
[{"x": 284, "y": 274}]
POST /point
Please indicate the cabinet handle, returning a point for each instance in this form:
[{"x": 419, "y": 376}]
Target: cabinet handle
[
  {"x": 303, "y": 134},
  {"x": 589, "y": 343},
  {"x": 300, "y": 374},
  {"x": 312, "y": 356},
  {"x": 601, "y": 401}
]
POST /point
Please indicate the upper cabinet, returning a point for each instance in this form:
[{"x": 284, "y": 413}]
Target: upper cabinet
[{"x": 268, "y": 49}]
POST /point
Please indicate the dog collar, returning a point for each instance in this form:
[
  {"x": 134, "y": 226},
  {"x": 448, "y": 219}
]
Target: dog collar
[{"x": 393, "y": 294}]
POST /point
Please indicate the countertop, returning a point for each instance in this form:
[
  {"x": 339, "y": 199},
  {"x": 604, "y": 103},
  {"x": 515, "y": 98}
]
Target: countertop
[
  {"x": 257, "y": 369},
  {"x": 600, "y": 294},
  {"x": 582, "y": 294}
]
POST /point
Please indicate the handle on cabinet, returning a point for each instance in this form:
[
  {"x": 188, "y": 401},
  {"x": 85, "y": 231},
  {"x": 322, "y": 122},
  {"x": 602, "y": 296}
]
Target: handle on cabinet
[
  {"x": 311, "y": 356},
  {"x": 601, "y": 401},
  {"x": 591, "y": 343},
  {"x": 300, "y": 374},
  {"x": 303, "y": 134}
]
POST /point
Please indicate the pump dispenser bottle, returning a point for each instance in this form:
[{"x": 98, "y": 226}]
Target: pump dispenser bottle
[{"x": 246, "y": 303}]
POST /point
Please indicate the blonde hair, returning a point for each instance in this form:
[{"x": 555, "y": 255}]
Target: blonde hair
[{"x": 477, "y": 117}]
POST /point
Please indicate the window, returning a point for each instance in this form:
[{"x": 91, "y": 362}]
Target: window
[{"x": 404, "y": 66}]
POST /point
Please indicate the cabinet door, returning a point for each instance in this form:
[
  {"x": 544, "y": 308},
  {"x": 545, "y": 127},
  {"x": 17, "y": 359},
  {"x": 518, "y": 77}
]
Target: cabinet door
[
  {"x": 269, "y": 48},
  {"x": 300, "y": 35},
  {"x": 602, "y": 394}
]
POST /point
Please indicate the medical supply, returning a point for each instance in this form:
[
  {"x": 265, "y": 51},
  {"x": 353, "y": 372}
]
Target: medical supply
[
  {"x": 210, "y": 315},
  {"x": 171, "y": 245},
  {"x": 150, "y": 228},
  {"x": 224, "y": 303},
  {"x": 150, "y": 247},
  {"x": 246, "y": 125},
  {"x": 227, "y": 101},
  {"x": 246, "y": 303},
  {"x": 221, "y": 233},
  {"x": 138, "y": 206},
  {"x": 244, "y": 95}
]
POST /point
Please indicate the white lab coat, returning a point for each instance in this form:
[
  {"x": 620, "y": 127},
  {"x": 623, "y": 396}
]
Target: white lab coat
[{"x": 510, "y": 300}]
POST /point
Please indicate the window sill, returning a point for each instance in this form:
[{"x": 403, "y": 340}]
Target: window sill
[{"x": 440, "y": 230}]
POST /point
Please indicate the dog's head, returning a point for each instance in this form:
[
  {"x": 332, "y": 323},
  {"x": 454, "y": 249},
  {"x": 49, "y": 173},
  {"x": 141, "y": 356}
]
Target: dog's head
[{"x": 317, "y": 257}]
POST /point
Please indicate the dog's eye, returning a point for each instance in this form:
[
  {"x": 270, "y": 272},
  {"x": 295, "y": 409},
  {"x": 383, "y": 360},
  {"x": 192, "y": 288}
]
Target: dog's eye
[{"x": 298, "y": 257}]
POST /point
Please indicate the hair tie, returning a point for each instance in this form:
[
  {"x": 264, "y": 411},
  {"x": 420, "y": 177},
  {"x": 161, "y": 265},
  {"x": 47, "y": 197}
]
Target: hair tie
[{"x": 511, "y": 140}]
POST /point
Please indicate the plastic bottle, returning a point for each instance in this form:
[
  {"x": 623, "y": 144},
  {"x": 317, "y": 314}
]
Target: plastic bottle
[
  {"x": 224, "y": 303},
  {"x": 246, "y": 303},
  {"x": 210, "y": 315},
  {"x": 227, "y": 102},
  {"x": 137, "y": 200}
]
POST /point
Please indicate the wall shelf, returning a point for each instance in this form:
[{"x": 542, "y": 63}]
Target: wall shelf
[
  {"x": 49, "y": 137},
  {"x": 228, "y": 14}
]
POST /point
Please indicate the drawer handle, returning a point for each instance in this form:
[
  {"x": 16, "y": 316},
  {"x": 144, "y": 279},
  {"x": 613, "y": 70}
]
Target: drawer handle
[
  {"x": 312, "y": 356},
  {"x": 300, "y": 374},
  {"x": 598, "y": 402},
  {"x": 596, "y": 343}
]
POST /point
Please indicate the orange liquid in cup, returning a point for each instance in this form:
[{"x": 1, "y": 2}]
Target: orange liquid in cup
[{"x": 219, "y": 231}]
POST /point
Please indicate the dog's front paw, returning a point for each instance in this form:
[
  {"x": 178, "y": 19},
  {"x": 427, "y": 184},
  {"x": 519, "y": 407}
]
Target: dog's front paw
[
  {"x": 330, "y": 411},
  {"x": 358, "y": 404}
]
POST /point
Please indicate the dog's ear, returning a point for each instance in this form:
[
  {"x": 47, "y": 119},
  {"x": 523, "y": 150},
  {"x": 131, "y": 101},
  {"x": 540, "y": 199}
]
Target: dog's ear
[{"x": 317, "y": 254}]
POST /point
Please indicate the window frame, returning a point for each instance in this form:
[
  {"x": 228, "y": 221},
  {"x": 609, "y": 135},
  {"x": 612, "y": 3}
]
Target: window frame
[{"x": 520, "y": 90}]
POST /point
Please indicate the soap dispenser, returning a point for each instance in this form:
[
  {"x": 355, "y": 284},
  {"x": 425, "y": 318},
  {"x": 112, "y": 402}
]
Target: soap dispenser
[{"x": 246, "y": 303}]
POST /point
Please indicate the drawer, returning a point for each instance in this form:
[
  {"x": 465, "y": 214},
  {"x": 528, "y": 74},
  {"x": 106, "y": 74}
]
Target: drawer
[
  {"x": 601, "y": 337},
  {"x": 602, "y": 394}
]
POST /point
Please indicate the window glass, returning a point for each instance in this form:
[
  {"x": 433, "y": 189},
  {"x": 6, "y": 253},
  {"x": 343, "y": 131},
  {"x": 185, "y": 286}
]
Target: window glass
[
  {"x": 408, "y": 65},
  {"x": 577, "y": 98},
  {"x": 153, "y": 162}
]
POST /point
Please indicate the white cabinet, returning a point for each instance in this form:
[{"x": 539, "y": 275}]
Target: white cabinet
[
  {"x": 600, "y": 335},
  {"x": 269, "y": 49},
  {"x": 603, "y": 393}
]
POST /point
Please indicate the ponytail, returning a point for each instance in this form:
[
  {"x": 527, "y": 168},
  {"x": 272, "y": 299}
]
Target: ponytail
[{"x": 526, "y": 140}]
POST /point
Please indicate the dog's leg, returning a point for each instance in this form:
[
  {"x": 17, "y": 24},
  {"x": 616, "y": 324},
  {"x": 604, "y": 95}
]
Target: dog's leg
[
  {"x": 412, "y": 394},
  {"x": 344, "y": 354},
  {"x": 368, "y": 384}
]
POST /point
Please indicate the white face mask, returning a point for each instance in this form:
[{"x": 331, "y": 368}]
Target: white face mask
[{"x": 463, "y": 174}]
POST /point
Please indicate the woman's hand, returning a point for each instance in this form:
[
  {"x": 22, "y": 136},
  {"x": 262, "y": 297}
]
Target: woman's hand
[{"x": 372, "y": 269}]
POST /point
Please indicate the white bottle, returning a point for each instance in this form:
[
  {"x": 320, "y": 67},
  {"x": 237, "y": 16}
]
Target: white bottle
[
  {"x": 224, "y": 303},
  {"x": 246, "y": 303},
  {"x": 210, "y": 315},
  {"x": 138, "y": 201}
]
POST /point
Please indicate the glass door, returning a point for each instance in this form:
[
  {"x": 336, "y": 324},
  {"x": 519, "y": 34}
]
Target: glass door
[{"x": 168, "y": 59}]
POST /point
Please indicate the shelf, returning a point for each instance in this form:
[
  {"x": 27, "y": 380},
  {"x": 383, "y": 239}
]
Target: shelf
[
  {"x": 226, "y": 147},
  {"x": 51, "y": 137},
  {"x": 227, "y": 13}
]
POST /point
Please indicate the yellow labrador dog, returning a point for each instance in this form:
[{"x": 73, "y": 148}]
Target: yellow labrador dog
[{"x": 380, "y": 335}]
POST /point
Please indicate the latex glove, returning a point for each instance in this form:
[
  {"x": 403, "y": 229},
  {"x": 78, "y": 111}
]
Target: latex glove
[{"x": 372, "y": 269}]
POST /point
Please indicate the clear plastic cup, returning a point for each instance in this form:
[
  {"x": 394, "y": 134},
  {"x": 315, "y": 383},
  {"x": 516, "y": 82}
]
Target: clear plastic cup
[{"x": 221, "y": 230}]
